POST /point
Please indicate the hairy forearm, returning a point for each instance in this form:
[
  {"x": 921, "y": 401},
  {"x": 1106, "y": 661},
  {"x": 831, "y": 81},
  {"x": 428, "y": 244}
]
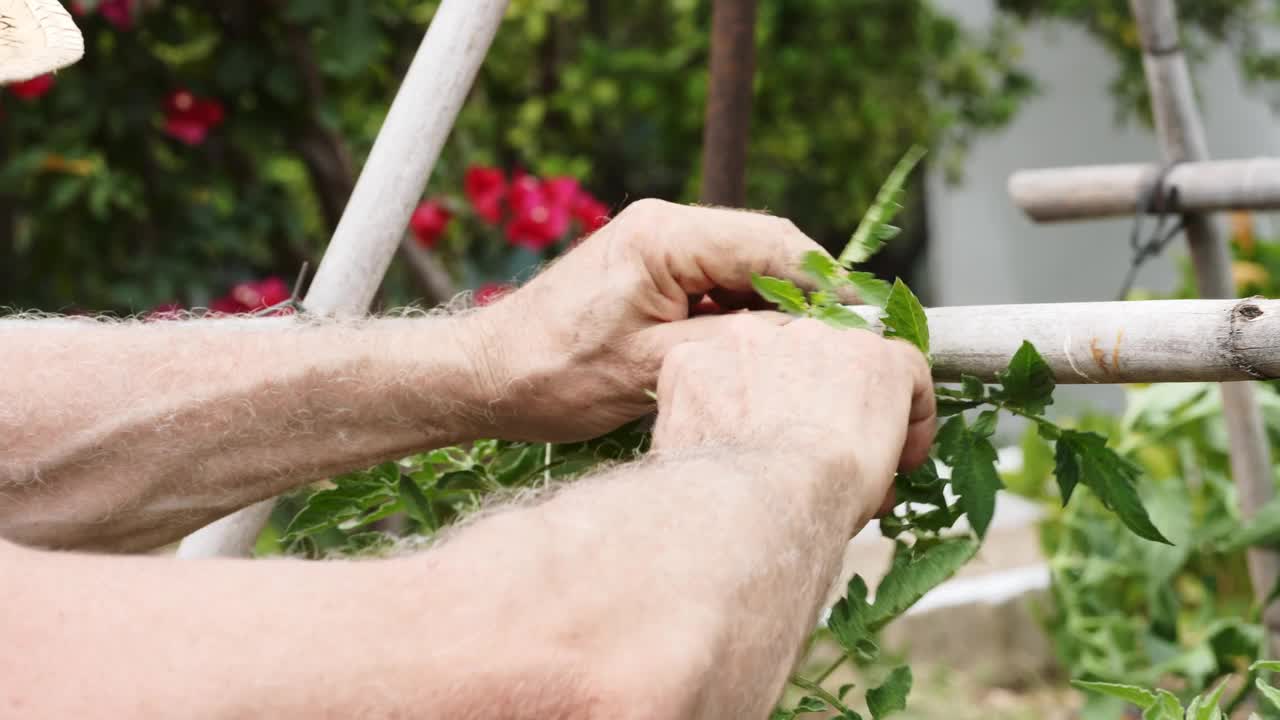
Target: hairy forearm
[
  {"x": 690, "y": 580},
  {"x": 139, "y": 432},
  {"x": 680, "y": 587}
]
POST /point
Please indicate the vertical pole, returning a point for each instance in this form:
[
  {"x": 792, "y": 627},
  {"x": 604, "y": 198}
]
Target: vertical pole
[
  {"x": 728, "y": 120},
  {"x": 1182, "y": 138},
  {"x": 392, "y": 181}
]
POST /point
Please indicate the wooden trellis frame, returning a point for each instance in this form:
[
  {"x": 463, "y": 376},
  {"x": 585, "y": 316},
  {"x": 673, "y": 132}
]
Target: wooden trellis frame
[{"x": 1206, "y": 340}]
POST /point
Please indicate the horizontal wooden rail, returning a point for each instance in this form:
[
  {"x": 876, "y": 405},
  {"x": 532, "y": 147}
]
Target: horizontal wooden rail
[
  {"x": 1111, "y": 342},
  {"x": 1094, "y": 191}
]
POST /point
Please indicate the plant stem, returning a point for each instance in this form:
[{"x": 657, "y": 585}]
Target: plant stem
[
  {"x": 816, "y": 689},
  {"x": 826, "y": 673},
  {"x": 1242, "y": 695}
]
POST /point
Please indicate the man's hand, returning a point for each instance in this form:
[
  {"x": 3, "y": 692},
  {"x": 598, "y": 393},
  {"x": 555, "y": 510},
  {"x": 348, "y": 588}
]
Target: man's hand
[
  {"x": 858, "y": 405},
  {"x": 574, "y": 351}
]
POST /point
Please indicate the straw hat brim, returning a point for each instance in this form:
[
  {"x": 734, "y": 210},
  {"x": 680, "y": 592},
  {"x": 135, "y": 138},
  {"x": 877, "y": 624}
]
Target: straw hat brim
[{"x": 36, "y": 37}]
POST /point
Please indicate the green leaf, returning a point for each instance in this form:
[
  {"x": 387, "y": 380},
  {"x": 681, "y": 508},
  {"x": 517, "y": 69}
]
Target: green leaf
[
  {"x": 1066, "y": 470},
  {"x": 1269, "y": 692},
  {"x": 891, "y": 696},
  {"x": 844, "y": 690},
  {"x": 973, "y": 388},
  {"x": 1111, "y": 477},
  {"x": 417, "y": 504},
  {"x": 871, "y": 233},
  {"x": 951, "y": 436},
  {"x": 915, "y": 571},
  {"x": 1265, "y": 666},
  {"x": 782, "y": 293},
  {"x": 948, "y": 407},
  {"x": 1027, "y": 383},
  {"x": 974, "y": 478},
  {"x": 905, "y": 318},
  {"x": 823, "y": 268},
  {"x": 810, "y": 704},
  {"x": 353, "y": 496},
  {"x": 1129, "y": 693},
  {"x": 870, "y": 289},
  {"x": 838, "y": 316},
  {"x": 1166, "y": 707},
  {"x": 985, "y": 423},
  {"x": 1205, "y": 707}
]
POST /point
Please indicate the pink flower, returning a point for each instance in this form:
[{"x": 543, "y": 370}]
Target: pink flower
[
  {"x": 429, "y": 222},
  {"x": 118, "y": 12},
  {"x": 32, "y": 89},
  {"x": 227, "y": 305},
  {"x": 189, "y": 118},
  {"x": 489, "y": 293},
  {"x": 485, "y": 188},
  {"x": 540, "y": 217}
]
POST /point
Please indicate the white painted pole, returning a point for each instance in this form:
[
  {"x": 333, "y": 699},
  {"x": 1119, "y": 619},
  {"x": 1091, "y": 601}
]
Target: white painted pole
[
  {"x": 1093, "y": 191},
  {"x": 389, "y": 187}
]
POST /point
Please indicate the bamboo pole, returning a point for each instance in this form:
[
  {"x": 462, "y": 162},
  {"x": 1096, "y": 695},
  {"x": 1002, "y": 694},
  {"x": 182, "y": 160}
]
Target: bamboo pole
[
  {"x": 1095, "y": 191},
  {"x": 1182, "y": 138},
  {"x": 1110, "y": 342},
  {"x": 417, "y": 125},
  {"x": 727, "y": 131}
]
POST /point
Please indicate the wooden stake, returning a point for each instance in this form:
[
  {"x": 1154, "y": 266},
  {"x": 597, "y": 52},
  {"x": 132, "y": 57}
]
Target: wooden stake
[
  {"x": 1110, "y": 342},
  {"x": 384, "y": 197},
  {"x": 728, "y": 121},
  {"x": 1182, "y": 138},
  {"x": 1095, "y": 191}
]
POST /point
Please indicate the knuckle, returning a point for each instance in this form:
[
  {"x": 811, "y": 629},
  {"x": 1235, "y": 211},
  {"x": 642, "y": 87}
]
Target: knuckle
[{"x": 644, "y": 211}]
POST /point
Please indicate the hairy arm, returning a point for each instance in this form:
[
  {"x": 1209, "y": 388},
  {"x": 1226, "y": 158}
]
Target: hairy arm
[
  {"x": 126, "y": 434},
  {"x": 678, "y": 588}
]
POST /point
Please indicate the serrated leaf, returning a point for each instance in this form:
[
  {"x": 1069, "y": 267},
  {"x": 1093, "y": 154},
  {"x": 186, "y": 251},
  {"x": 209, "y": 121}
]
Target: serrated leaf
[
  {"x": 950, "y": 438},
  {"x": 823, "y": 268},
  {"x": 1129, "y": 693},
  {"x": 891, "y": 695},
  {"x": 844, "y": 690},
  {"x": 914, "y": 572},
  {"x": 972, "y": 387},
  {"x": 904, "y": 317},
  {"x": 974, "y": 478},
  {"x": 869, "y": 237},
  {"x": 782, "y": 293},
  {"x": 870, "y": 289},
  {"x": 1066, "y": 470},
  {"x": 1111, "y": 477},
  {"x": 838, "y": 316},
  {"x": 1027, "y": 383}
]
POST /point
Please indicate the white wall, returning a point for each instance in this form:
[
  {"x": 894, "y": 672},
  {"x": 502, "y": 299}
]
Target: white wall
[{"x": 983, "y": 250}]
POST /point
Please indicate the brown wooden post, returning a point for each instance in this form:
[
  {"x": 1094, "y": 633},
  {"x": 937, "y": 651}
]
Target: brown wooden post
[{"x": 729, "y": 94}]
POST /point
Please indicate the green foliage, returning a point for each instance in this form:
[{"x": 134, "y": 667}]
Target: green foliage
[
  {"x": 874, "y": 230},
  {"x": 891, "y": 696},
  {"x": 904, "y": 317}
]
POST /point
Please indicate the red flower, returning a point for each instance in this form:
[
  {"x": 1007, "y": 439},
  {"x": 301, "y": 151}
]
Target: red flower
[
  {"x": 189, "y": 118},
  {"x": 118, "y": 13},
  {"x": 227, "y": 305},
  {"x": 167, "y": 311},
  {"x": 33, "y": 88},
  {"x": 428, "y": 223},
  {"x": 489, "y": 293},
  {"x": 255, "y": 296},
  {"x": 485, "y": 188},
  {"x": 589, "y": 212}
]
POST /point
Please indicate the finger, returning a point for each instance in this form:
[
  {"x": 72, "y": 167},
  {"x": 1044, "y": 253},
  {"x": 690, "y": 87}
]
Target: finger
[
  {"x": 922, "y": 420},
  {"x": 654, "y": 342},
  {"x": 698, "y": 249}
]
